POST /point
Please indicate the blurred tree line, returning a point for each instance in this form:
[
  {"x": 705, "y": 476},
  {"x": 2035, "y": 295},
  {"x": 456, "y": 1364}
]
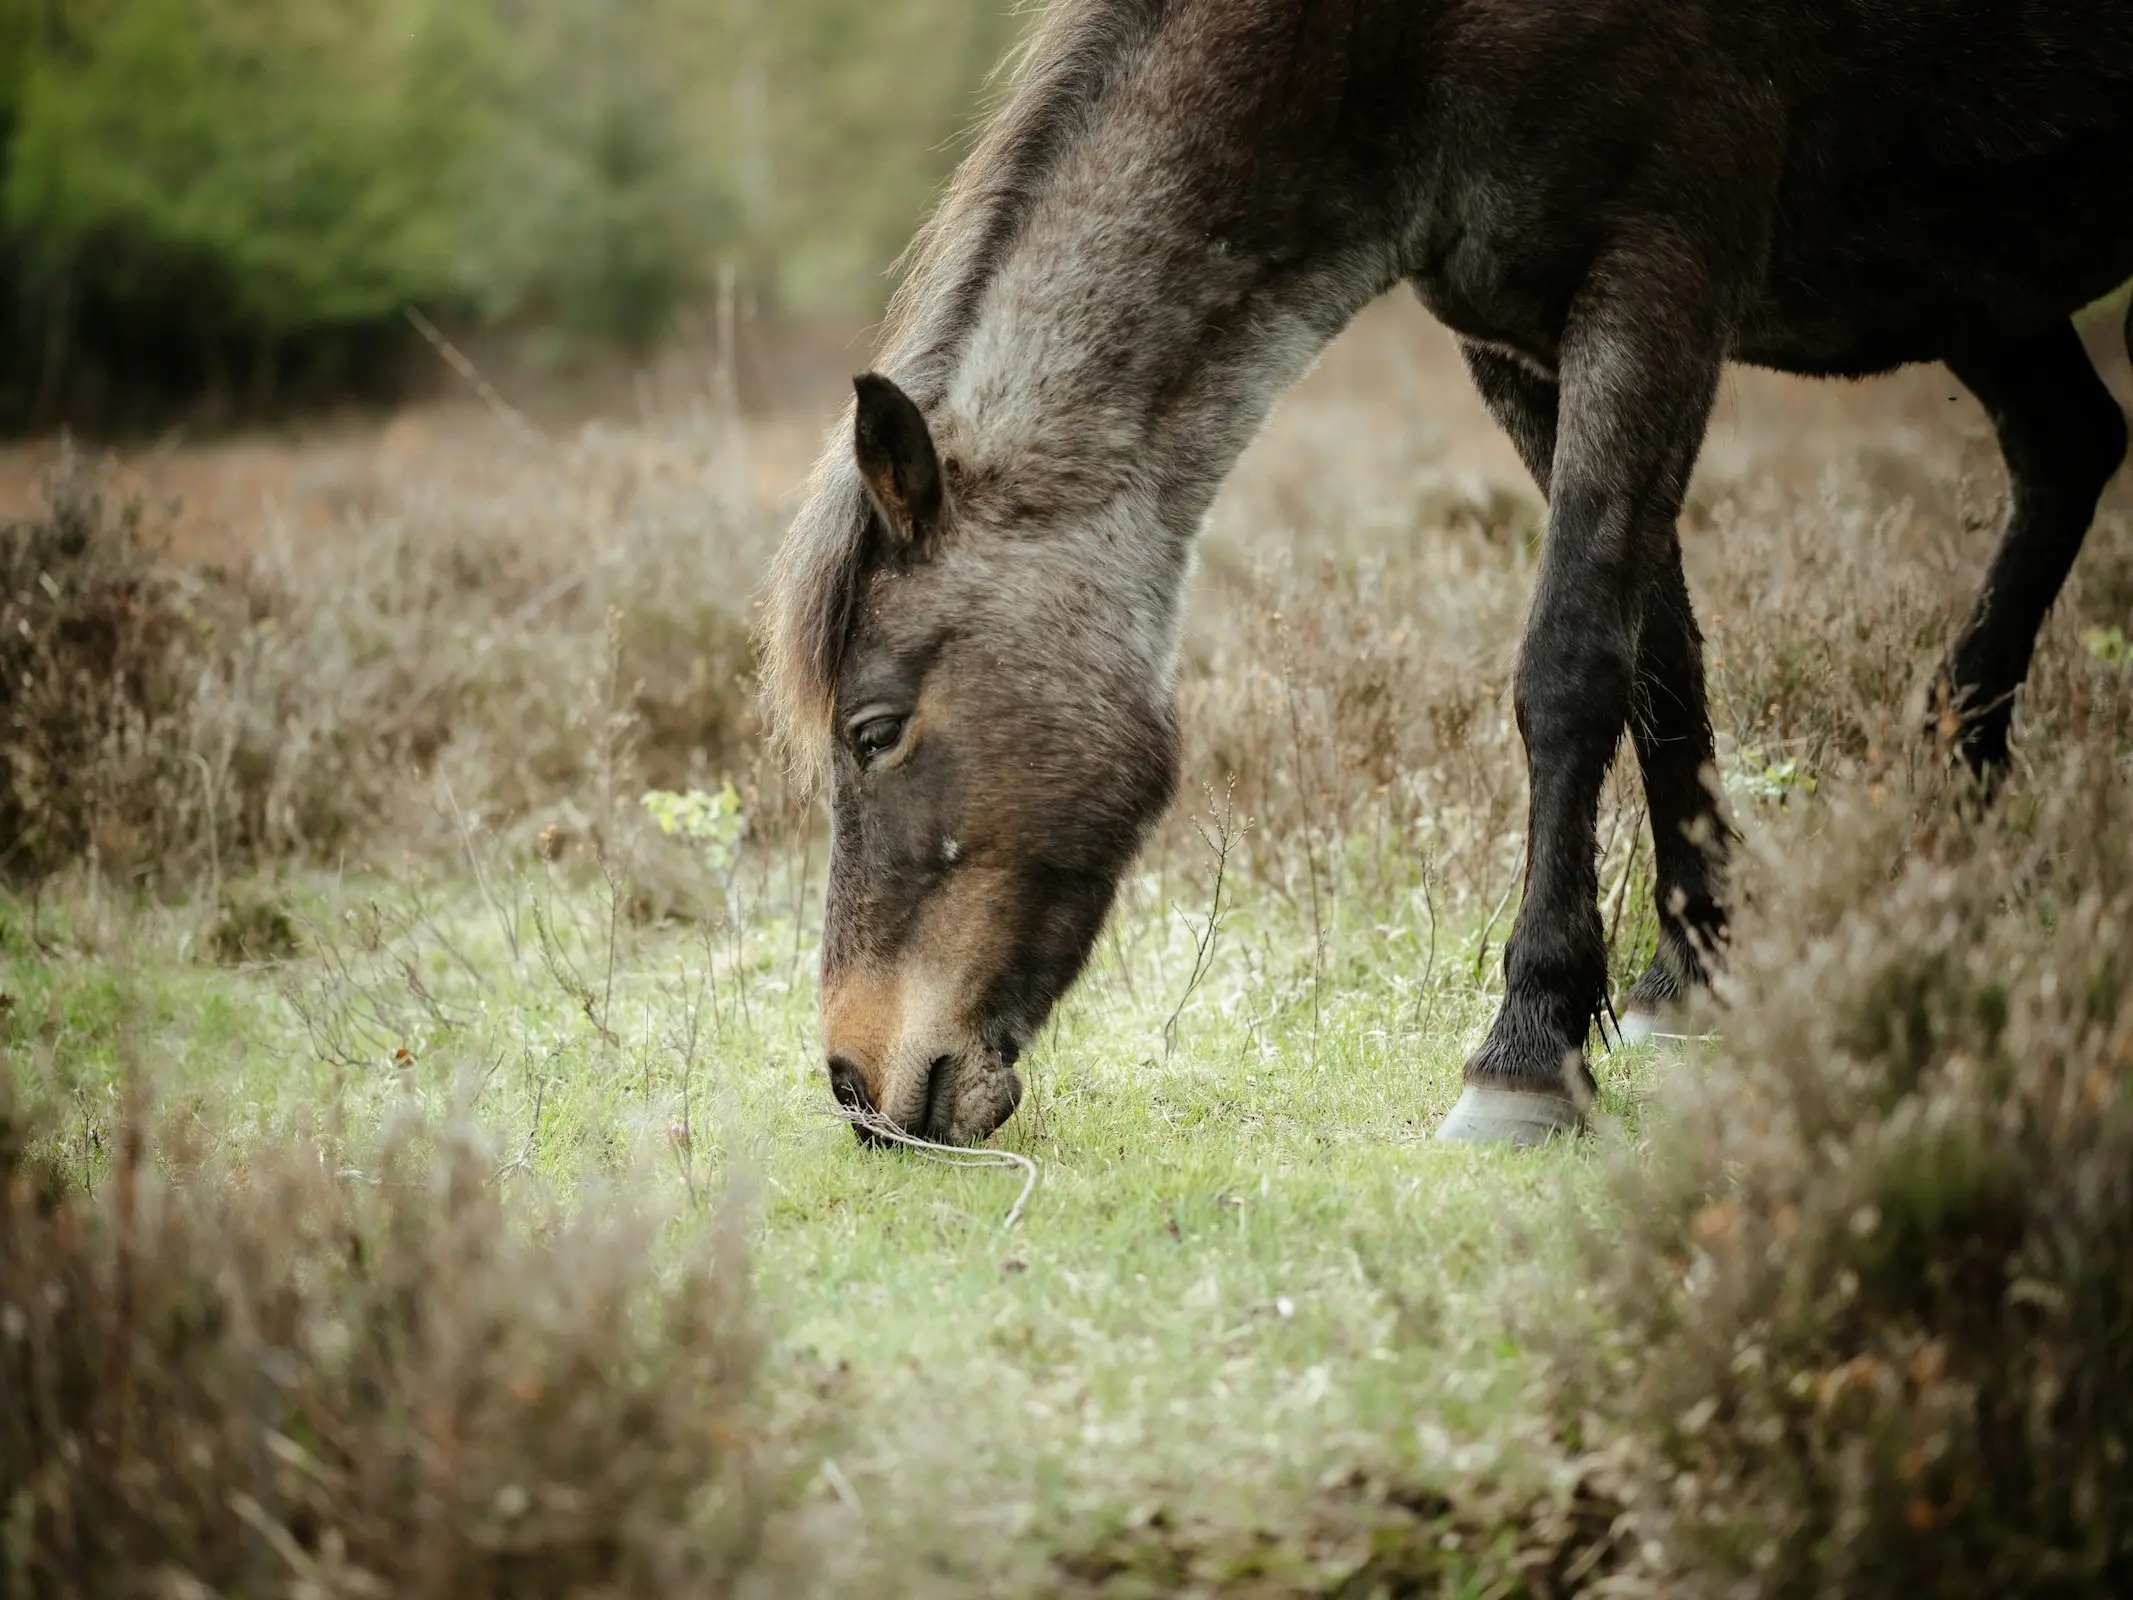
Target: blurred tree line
[{"x": 237, "y": 199}]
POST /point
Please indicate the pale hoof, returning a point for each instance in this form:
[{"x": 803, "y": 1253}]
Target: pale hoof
[
  {"x": 1516, "y": 1117},
  {"x": 1637, "y": 1027},
  {"x": 1642, "y": 1027}
]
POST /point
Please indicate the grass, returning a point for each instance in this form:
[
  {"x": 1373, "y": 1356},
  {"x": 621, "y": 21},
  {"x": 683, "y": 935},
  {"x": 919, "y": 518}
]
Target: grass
[{"x": 1244, "y": 1289}]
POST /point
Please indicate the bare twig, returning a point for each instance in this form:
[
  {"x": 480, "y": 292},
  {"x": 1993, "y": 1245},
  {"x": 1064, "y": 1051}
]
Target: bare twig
[
  {"x": 354, "y": 1000},
  {"x": 686, "y": 1040},
  {"x": 615, "y": 895},
  {"x": 278, "y": 1539},
  {"x": 739, "y": 913},
  {"x": 523, "y": 1161},
  {"x": 214, "y": 847},
  {"x": 1429, "y": 967},
  {"x": 1219, "y": 844},
  {"x": 799, "y": 904},
  {"x": 1118, "y": 955},
  {"x": 508, "y": 923},
  {"x": 1481, "y": 951},
  {"x": 1318, "y": 921},
  {"x": 565, "y": 971},
  {"x": 456, "y": 359},
  {"x": 1629, "y": 869},
  {"x": 424, "y": 919},
  {"x": 952, "y": 1155}
]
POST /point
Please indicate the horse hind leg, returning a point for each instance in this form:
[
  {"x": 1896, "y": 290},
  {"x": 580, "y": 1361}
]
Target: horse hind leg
[
  {"x": 2062, "y": 437},
  {"x": 1670, "y": 724}
]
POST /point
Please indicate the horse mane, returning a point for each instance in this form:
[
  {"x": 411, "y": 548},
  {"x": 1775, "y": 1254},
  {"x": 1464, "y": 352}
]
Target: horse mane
[{"x": 1056, "y": 81}]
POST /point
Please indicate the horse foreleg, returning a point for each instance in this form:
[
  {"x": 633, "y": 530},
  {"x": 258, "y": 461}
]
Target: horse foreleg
[
  {"x": 1670, "y": 718},
  {"x": 1639, "y": 368}
]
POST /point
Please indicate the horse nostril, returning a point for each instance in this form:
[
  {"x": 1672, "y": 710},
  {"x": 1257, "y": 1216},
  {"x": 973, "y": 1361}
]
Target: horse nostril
[
  {"x": 851, "y": 1091},
  {"x": 848, "y": 1086},
  {"x": 940, "y": 1103}
]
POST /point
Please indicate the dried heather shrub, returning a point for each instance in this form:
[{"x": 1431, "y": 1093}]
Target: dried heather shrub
[
  {"x": 92, "y": 646},
  {"x": 523, "y": 646},
  {"x": 354, "y": 1384},
  {"x": 1862, "y": 1313}
]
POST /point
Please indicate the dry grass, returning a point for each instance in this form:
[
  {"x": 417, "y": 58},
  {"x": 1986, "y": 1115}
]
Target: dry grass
[
  {"x": 371, "y": 1381},
  {"x": 91, "y": 640},
  {"x": 522, "y": 646}
]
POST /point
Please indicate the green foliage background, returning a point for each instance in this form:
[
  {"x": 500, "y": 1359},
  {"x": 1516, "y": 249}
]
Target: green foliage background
[{"x": 232, "y": 195}]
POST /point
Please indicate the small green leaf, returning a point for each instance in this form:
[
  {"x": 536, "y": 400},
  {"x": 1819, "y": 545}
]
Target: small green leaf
[{"x": 711, "y": 820}]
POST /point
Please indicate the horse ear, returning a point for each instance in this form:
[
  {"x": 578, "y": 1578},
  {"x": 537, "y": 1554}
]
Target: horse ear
[{"x": 897, "y": 459}]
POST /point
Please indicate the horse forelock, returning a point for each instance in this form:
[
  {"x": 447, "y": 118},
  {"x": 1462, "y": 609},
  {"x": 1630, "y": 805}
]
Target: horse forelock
[
  {"x": 1056, "y": 83},
  {"x": 807, "y": 617}
]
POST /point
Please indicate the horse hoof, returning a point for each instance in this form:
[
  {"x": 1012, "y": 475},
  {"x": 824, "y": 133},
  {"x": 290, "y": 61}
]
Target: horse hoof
[
  {"x": 1645, "y": 1027},
  {"x": 1636, "y": 1027},
  {"x": 1516, "y": 1117}
]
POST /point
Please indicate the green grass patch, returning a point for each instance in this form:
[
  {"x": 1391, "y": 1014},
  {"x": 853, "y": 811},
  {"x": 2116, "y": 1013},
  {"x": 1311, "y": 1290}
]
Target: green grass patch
[{"x": 1253, "y": 1324}]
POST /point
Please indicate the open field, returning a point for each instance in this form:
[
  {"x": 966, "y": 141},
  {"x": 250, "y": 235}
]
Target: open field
[{"x": 373, "y": 857}]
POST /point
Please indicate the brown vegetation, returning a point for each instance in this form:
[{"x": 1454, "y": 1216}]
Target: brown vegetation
[
  {"x": 490, "y": 645},
  {"x": 363, "y": 1382},
  {"x": 1869, "y": 1297}
]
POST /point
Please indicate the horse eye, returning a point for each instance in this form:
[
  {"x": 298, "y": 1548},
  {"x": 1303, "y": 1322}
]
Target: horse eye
[{"x": 876, "y": 736}]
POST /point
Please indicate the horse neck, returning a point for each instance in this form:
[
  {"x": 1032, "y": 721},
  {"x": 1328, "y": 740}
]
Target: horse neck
[{"x": 1172, "y": 279}]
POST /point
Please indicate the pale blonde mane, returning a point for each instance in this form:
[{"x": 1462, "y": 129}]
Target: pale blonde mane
[{"x": 1057, "y": 82}]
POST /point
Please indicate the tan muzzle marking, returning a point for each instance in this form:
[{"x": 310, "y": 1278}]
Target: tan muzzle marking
[
  {"x": 890, "y": 1022},
  {"x": 862, "y": 1014}
]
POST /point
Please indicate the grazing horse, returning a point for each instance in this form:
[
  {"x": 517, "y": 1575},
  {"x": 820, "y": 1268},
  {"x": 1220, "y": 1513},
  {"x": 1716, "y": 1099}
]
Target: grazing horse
[{"x": 972, "y": 628}]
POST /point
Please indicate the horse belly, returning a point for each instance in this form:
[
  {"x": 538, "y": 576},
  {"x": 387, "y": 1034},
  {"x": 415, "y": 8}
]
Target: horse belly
[{"x": 1913, "y": 261}]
